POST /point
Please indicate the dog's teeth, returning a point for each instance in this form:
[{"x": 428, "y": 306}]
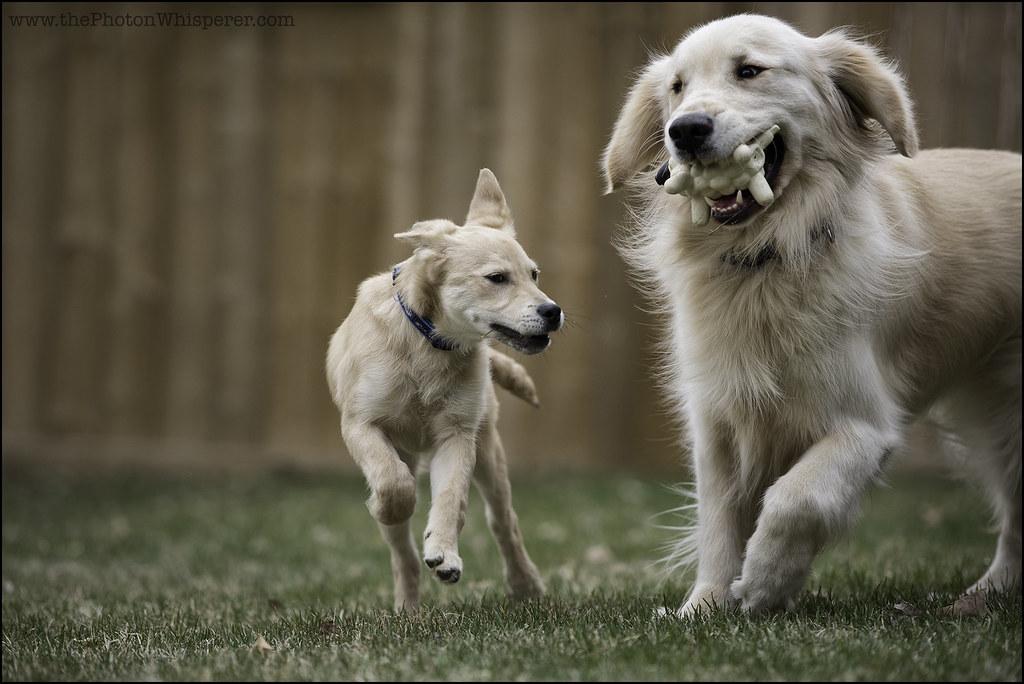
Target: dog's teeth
[{"x": 739, "y": 197}]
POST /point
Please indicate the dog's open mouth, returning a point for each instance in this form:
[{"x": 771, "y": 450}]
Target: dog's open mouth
[
  {"x": 730, "y": 189},
  {"x": 737, "y": 208},
  {"x": 527, "y": 344}
]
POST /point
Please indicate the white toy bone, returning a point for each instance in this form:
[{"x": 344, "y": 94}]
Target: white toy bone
[{"x": 744, "y": 170}]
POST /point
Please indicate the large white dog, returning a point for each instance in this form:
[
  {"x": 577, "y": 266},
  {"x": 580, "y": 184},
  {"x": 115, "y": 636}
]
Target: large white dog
[{"x": 875, "y": 289}]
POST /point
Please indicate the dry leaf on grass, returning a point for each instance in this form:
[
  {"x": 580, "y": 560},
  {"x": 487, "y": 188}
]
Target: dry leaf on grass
[
  {"x": 261, "y": 645},
  {"x": 908, "y": 609},
  {"x": 932, "y": 516},
  {"x": 968, "y": 605}
]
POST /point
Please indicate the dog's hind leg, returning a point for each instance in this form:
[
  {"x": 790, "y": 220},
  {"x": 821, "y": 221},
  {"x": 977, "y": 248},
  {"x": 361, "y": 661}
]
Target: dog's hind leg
[
  {"x": 405, "y": 565},
  {"x": 986, "y": 415},
  {"x": 1005, "y": 571},
  {"x": 491, "y": 478}
]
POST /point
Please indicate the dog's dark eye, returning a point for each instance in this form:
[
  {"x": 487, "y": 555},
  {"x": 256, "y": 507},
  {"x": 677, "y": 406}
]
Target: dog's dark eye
[
  {"x": 748, "y": 71},
  {"x": 497, "y": 278},
  {"x": 535, "y": 274},
  {"x": 677, "y": 86}
]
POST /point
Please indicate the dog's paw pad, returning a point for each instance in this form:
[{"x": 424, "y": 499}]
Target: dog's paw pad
[
  {"x": 446, "y": 564},
  {"x": 449, "y": 575}
]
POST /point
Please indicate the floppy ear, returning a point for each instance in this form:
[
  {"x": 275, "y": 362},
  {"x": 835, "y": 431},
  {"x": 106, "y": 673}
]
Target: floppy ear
[
  {"x": 874, "y": 88},
  {"x": 488, "y": 207},
  {"x": 425, "y": 271},
  {"x": 430, "y": 233},
  {"x": 636, "y": 137}
]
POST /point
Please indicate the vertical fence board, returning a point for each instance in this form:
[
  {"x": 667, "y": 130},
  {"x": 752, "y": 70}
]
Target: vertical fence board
[
  {"x": 240, "y": 287},
  {"x": 137, "y": 295},
  {"x": 407, "y": 106},
  {"x": 309, "y": 121},
  {"x": 33, "y": 107},
  {"x": 196, "y": 224},
  {"x": 77, "y": 349}
]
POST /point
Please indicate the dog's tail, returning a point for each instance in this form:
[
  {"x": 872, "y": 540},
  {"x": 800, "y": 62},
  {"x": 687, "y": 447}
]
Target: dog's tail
[{"x": 513, "y": 377}]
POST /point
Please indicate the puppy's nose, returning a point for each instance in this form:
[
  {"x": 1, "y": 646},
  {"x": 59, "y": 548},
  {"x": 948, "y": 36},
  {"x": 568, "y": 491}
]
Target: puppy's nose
[
  {"x": 552, "y": 314},
  {"x": 690, "y": 132}
]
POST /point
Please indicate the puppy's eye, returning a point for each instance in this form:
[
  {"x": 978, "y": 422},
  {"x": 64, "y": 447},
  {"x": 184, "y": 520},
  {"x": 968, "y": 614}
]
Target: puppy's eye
[
  {"x": 748, "y": 71},
  {"x": 535, "y": 274},
  {"x": 497, "y": 278},
  {"x": 677, "y": 86}
]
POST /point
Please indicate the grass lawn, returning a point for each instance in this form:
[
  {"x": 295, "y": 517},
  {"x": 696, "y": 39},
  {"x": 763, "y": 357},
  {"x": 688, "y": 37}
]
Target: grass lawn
[{"x": 147, "y": 577}]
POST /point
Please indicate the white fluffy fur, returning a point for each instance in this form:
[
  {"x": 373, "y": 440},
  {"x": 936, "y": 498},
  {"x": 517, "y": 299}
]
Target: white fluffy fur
[
  {"x": 402, "y": 401},
  {"x": 797, "y": 379}
]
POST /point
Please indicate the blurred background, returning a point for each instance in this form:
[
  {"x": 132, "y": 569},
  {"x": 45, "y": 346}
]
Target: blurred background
[{"x": 187, "y": 213}]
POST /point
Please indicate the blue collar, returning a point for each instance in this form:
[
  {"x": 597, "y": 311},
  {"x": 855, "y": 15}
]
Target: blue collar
[{"x": 422, "y": 324}]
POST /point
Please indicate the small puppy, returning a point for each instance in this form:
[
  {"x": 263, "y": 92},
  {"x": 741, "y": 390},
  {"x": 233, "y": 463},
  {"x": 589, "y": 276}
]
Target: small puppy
[
  {"x": 811, "y": 325},
  {"x": 410, "y": 370}
]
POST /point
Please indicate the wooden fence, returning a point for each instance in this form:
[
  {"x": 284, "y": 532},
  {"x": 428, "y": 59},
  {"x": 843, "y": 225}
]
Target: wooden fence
[{"x": 187, "y": 212}]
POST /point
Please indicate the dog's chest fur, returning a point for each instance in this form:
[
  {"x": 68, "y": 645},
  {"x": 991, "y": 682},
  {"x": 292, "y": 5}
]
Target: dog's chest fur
[
  {"x": 432, "y": 396},
  {"x": 763, "y": 353}
]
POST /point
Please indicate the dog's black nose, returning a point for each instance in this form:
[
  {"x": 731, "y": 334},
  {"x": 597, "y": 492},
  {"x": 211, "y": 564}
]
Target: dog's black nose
[
  {"x": 552, "y": 313},
  {"x": 690, "y": 132}
]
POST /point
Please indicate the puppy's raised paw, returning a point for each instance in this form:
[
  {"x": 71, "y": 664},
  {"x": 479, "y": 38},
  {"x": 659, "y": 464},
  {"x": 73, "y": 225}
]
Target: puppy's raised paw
[{"x": 447, "y": 565}]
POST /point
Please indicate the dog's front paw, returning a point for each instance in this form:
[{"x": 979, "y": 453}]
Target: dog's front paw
[
  {"x": 706, "y": 599},
  {"x": 445, "y": 562},
  {"x": 774, "y": 571},
  {"x": 394, "y": 501}
]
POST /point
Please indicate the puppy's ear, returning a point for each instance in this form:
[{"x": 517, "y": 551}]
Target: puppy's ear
[
  {"x": 424, "y": 272},
  {"x": 430, "y": 233},
  {"x": 636, "y": 137},
  {"x": 488, "y": 207},
  {"x": 874, "y": 88}
]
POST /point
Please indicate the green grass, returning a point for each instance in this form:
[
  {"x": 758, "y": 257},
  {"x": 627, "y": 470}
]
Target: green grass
[{"x": 142, "y": 577}]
